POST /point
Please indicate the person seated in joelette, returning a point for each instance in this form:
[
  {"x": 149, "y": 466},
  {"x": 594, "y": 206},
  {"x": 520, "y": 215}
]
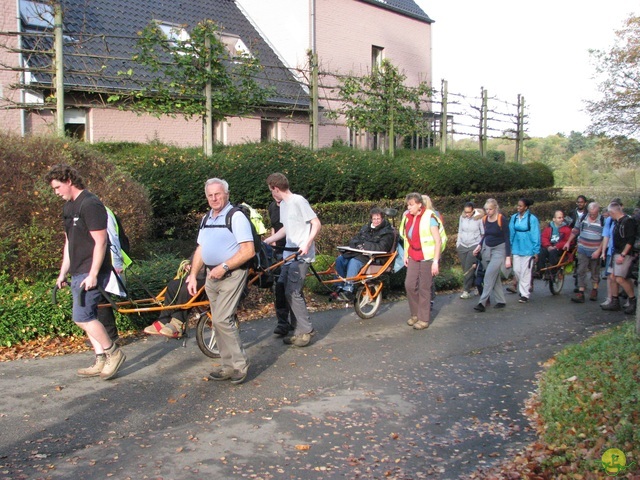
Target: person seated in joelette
[
  {"x": 378, "y": 235},
  {"x": 553, "y": 239}
]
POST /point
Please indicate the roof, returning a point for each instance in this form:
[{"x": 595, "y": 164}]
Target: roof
[
  {"x": 101, "y": 35},
  {"x": 404, "y": 7}
]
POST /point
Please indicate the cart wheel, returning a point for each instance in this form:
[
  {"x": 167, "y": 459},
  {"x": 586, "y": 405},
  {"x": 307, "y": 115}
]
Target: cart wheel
[
  {"x": 367, "y": 300},
  {"x": 556, "y": 281},
  {"x": 206, "y": 336}
]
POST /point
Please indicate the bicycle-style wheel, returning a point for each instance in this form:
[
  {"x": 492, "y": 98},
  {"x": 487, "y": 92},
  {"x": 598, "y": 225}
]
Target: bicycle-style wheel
[
  {"x": 556, "y": 282},
  {"x": 206, "y": 336},
  {"x": 367, "y": 299}
]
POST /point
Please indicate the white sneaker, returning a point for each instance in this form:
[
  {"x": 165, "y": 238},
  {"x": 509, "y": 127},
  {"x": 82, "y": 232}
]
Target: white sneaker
[
  {"x": 465, "y": 295},
  {"x": 606, "y": 302}
]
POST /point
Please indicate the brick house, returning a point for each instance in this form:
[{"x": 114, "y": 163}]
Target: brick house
[
  {"x": 107, "y": 29},
  {"x": 351, "y": 36}
]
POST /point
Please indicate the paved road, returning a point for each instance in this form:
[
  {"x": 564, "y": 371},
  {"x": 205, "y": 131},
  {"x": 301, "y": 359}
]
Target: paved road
[{"x": 369, "y": 399}]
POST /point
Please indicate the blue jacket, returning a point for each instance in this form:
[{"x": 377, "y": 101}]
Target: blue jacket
[{"x": 525, "y": 234}]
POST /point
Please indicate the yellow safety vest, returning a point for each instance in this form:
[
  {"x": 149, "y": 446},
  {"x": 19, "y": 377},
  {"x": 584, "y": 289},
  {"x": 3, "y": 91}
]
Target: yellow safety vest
[{"x": 427, "y": 241}]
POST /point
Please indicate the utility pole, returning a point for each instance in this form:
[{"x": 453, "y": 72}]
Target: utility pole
[
  {"x": 208, "y": 119},
  {"x": 443, "y": 119},
  {"x": 313, "y": 62},
  {"x": 483, "y": 123},
  {"x": 59, "y": 68},
  {"x": 520, "y": 131}
]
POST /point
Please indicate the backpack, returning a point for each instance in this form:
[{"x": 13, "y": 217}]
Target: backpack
[
  {"x": 443, "y": 233},
  {"x": 513, "y": 220},
  {"x": 260, "y": 261},
  {"x": 125, "y": 245}
]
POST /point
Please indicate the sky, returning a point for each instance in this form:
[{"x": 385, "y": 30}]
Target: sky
[{"x": 537, "y": 49}]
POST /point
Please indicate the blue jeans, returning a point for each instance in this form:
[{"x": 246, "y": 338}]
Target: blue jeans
[{"x": 347, "y": 268}]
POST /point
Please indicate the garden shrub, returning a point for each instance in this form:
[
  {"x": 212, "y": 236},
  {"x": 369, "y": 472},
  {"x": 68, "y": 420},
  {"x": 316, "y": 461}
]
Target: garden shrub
[{"x": 32, "y": 230}]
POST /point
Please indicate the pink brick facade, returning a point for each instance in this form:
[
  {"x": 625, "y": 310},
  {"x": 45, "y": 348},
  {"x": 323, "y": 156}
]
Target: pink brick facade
[
  {"x": 9, "y": 119},
  {"x": 345, "y": 46}
]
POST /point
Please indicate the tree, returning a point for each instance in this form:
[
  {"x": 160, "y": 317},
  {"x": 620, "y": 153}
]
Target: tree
[
  {"x": 182, "y": 67},
  {"x": 618, "y": 111},
  {"x": 380, "y": 103}
]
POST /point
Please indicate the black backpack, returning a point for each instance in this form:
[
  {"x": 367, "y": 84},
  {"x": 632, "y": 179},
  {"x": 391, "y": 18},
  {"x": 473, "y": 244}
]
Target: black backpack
[{"x": 260, "y": 261}]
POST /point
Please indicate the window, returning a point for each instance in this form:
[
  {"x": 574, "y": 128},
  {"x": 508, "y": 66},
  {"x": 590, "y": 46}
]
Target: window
[
  {"x": 268, "y": 130},
  {"x": 377, "y": 55},
  {"x": 235, "y": 46},
  {"x": 75, "y": 120},
  {"x": 36, "y": 15},
  {"x": 175, "y": 33}
]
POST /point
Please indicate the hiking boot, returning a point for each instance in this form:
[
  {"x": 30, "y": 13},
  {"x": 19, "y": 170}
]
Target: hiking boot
[
  {"x": 420, "y": 325},
  {"x": 614, "y": 306},
  {"x": 281, "y": 331},
  {"x": 631, "y": 309},
  {"x": 606, "y": 302},
  {"x": 115, "y": 358},
  {"x": 95, "y": 369},
  {"x": 578, "y": 298},
  {"x": 222, "y": 373},
  {"x": 465, "y": 295},
  {"x": 593, "y": 296},
  {"x": 412, "y": 321},
  {"x": 299, "y": 340},
  {"x": 238, "y": 376}
]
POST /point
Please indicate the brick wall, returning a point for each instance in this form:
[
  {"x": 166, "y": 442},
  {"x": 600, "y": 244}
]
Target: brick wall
[{"x": 9, "y": 119}]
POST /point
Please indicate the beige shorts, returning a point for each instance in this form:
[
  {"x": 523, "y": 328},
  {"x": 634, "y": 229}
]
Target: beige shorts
[{"x": 621, "y": 269}]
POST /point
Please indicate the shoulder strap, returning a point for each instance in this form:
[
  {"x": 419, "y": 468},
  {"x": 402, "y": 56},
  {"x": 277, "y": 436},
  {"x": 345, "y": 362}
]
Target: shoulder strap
[{"x": 227, "y": 220}]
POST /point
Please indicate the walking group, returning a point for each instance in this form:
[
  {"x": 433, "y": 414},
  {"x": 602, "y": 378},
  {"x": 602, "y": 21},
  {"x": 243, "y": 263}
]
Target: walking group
[
  {"x": 488, "y": 243},
  {"x": 605, "y": 240}
]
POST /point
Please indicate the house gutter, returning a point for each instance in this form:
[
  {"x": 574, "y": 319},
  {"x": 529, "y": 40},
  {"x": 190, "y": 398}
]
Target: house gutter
[{"x": 382, "y": 4}]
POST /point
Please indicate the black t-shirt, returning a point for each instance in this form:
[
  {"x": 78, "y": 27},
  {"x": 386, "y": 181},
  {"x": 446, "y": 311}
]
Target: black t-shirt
[
  {"x": 276, "y": 224},
  {"x": 81, "y": 216}
]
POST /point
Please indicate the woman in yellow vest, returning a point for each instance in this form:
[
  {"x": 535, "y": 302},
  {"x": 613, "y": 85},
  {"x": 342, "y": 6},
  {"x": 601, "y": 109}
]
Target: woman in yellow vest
[{"x": 422, "y": 248}]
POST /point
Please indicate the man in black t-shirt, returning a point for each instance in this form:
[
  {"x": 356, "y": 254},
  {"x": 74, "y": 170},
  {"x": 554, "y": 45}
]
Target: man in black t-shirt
[{"x": 85, "y": 258}]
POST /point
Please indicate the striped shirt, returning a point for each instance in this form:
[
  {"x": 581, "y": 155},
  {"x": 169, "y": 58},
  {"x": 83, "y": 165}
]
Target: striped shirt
[{"x": 589, "y": 235}]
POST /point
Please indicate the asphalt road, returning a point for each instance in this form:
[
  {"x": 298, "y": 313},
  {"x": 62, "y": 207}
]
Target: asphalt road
[{"x": 368, "y": 399}]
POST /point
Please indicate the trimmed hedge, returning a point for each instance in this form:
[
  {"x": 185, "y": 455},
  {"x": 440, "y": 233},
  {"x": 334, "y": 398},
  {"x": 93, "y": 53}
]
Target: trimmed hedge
[{"x": 175, "y": 176}]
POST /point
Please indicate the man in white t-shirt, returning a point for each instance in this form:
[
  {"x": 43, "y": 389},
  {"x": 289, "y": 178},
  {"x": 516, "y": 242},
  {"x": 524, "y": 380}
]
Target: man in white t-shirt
[{"x": 300, "y": 227}]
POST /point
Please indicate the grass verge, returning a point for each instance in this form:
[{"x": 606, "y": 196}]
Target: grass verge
[{"x": 588, "y": 402}]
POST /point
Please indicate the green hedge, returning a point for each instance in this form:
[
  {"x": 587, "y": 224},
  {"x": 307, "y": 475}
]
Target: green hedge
[{"x": 175, "y": 177}]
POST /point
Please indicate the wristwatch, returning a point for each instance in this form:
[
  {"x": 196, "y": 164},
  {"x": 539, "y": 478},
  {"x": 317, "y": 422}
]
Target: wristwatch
[{"x": 225, "y": 267}]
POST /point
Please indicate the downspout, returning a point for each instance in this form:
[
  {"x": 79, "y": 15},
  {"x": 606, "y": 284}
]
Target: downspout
[{"x": 23, "y": 113}]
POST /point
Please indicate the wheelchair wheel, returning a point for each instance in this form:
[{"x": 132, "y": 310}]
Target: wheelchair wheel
[
  {"x": 556, "y": 282},
  {"x": 206, "y": 336},
  {"x": 367, "y": 300}
]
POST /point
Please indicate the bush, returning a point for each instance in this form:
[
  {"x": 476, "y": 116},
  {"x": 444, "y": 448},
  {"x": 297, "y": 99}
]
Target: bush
[
  {"x": 27, "y": 312},
  {"x": 174, "y": 176},
  {"x": 32, "y": 230}
]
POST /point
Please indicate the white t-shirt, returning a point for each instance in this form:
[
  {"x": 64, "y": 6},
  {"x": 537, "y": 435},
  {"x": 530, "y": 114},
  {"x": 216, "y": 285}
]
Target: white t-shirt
[{"x": 296, "y": 215}]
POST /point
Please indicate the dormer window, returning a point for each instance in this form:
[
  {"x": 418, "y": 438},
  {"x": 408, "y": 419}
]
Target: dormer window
[
  {"x": 36, "y": 15},
  {"x": 174, "y": 33},
  {"x": 235, "y": 46}
]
